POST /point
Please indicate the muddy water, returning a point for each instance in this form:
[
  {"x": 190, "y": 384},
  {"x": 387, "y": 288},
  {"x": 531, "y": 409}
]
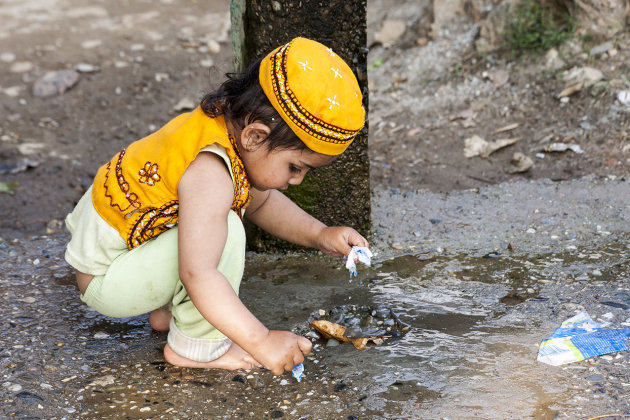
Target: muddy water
[{"x": 477, "y": 312}]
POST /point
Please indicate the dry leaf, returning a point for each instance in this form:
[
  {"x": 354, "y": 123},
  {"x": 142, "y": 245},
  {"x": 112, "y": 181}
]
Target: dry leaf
[
  {"x": 330, "y": 330},
  {"x": 476, "y": 146},
  {"x": 506, "y": 128},
  {"x": 571, "y": 89}
]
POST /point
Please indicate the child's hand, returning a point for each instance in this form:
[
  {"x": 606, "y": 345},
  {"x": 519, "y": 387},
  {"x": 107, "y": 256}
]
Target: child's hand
[
  {"x": 339, "y": 240},
  {"x": 281, "y": 350}
]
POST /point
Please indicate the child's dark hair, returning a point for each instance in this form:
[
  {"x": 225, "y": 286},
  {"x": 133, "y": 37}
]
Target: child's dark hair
[{"x": 241, "y": 99}]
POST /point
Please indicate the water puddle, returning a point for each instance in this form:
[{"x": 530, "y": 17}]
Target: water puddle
[{"x": 470, "y": 350}]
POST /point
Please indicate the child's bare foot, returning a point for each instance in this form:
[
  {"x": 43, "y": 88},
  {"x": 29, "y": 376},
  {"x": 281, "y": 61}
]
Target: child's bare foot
[
  {"x": 234, "y": 358},
  {"x": 160, "y": 319}
]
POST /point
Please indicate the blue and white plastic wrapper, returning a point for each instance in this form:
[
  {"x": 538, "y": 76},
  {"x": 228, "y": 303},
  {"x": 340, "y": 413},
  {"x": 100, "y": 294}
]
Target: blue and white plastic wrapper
[
  {"x": 298, "y": 371},
  {"x": 579, "y": 338},
  {"x": 362, "y": 253}
]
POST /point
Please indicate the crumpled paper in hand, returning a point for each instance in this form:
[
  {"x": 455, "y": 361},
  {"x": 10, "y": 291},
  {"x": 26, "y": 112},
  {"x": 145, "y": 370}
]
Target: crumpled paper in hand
[
  {"x": 361, "y": 253},
  {"x": 579, "y": 338}
]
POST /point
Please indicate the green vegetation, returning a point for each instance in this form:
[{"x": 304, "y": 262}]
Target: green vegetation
[
  {"x": 376, "y": 64},
  {"x": 535, "y": 27}
]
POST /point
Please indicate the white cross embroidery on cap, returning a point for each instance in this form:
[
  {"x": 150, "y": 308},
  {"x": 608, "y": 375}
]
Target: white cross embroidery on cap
[
  {"x": 330, "y": 51},
  {"x": 332, "y": 101},
  {"x": 305, "y": 65},
  {"x": 336, "y": 71}
]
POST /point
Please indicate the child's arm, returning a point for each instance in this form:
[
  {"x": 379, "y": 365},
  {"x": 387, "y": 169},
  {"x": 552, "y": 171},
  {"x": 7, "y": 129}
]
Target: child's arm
[
  {"x": 205, "y": 197},
  {"x": 277, "y": 214}
]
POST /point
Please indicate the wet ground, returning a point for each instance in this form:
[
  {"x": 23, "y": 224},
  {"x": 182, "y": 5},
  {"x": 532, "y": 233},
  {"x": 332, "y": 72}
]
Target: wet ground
[{"x": 477, "y": 312}]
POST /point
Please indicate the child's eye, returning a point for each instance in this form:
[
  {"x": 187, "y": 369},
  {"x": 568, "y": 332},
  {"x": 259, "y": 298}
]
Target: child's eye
[{"x": 295, "y": 169}]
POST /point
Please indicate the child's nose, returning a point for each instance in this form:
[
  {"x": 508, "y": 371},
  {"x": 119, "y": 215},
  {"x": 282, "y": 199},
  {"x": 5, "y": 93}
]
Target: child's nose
[{"x": 297, "y": 179}]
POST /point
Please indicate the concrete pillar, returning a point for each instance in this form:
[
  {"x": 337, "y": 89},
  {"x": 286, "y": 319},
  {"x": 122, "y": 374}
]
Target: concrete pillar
[{"x": 340, "y": 193}]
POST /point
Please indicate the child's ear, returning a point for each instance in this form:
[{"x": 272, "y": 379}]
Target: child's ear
[{"x": 254, "y": 135}]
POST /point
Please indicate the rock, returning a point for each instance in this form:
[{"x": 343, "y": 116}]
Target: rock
[
  {"x": 85, "y": 68},
  {"x": 21, "y": 67},
  {"x": 16, "y": 166},
  {"x": 520, "y": 163},
  {"x": 391, "y": 31},
  {"x": 184, "y": 104},
  {"x": 29, "y": 148},
  {"x": 213, "y": 46},
  {"x": 208, "y": 62},
  {"x": 587, "y": 75},
  {"x": 255, "y": 381},
  {"x": 624, "y": 97},
  {"x": 55, "y": 83},
  {"x": 332, "y": 342},
  {"x": 103, "y": 381},
  {"x": 601, "y": 49},
  {"x": 553, "y": 60},
  {"x": 91, "y": 43},
  {"x": 7, "y": 57},
  {"x": 477, "y": 146}
]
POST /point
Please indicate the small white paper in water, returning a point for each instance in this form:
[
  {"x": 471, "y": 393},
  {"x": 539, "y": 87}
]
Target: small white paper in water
[{"x": 361, "y": 253}]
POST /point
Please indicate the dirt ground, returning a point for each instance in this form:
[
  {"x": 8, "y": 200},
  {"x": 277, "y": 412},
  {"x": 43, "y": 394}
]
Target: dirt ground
[{"x": 139, "y": 62}]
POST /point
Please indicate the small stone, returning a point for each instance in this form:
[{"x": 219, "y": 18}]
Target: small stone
[
  {"x": 276, "y": 6},
  {"x": 161, "y": 76},
  {"x": 321, "y": 312},
  {"x": 29, "y": 299},
  {"x": 184, "y": 104},
  {"x": 101, "y": 335},
  {"x": 91, "y": 43},
  {"x": 213, "y": 46},
  {"x": 7, "y": 57},
  {"x": 21, "y": 67},
  {"x": 624, "y": 97},
  {"x": 396, "y": 245},
  {"x": 602, "y": 48},
  {"x": 284, "y": 382},
  {"x": 255, "y": 382},
  {"x": 332, "y": 342},
  {"x": 14, "y": 388},
  {"x": 208, "y": 62},
  {"x": 85, "y": 68},
  {"x": 55, "y": 83}
]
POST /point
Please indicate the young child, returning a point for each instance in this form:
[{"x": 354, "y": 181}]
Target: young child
[{"x": 161, "y": 226}]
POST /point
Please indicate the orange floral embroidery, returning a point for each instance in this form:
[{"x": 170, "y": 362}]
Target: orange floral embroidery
[{"x": 149, "y": 174}]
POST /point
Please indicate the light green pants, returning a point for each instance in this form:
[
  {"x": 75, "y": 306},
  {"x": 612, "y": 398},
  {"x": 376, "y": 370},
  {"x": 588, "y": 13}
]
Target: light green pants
[{"x": 147, "y": 278}]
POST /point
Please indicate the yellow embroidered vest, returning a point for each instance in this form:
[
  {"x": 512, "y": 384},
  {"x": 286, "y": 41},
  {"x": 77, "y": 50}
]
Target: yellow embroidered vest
[{"x": 136, "y": 192}]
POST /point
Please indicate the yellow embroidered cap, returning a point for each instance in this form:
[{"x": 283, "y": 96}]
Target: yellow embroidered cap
[{"x": 316, "y": 94}]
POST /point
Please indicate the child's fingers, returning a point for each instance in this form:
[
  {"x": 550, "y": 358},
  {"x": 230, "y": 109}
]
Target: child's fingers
[{"x": 304, "y": 344}]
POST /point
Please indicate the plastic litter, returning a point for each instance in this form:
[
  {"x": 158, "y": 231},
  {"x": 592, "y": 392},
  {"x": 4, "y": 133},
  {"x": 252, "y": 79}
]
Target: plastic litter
[
  {"x": 563, "y": 147},
  {"x": 579, "y": 338},
  {"x": 298, "y": 371},
  {"x": 361, "y": 253}
]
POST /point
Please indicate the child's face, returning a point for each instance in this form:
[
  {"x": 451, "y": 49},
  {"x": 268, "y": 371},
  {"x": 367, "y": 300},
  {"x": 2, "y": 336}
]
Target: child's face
[{"x": 280, "y": 168}]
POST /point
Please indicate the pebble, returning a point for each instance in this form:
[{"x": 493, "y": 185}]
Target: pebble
[
  {"x": 85, "y": 68},
  {"x": 332, "y": 342},
  {"x": 284, "y": 382},
  {"x": 255, "y": 382},
  {"x": 91, "y": 43},
  {"x": 208, "y": 62},
  {"x": 14, "y": 388},
  {"x": 22, "y": 67},
  {"x": 101, "y": 335},
  {"x": 7, "y": 57},
  {"x": 55, "y": 83}
]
